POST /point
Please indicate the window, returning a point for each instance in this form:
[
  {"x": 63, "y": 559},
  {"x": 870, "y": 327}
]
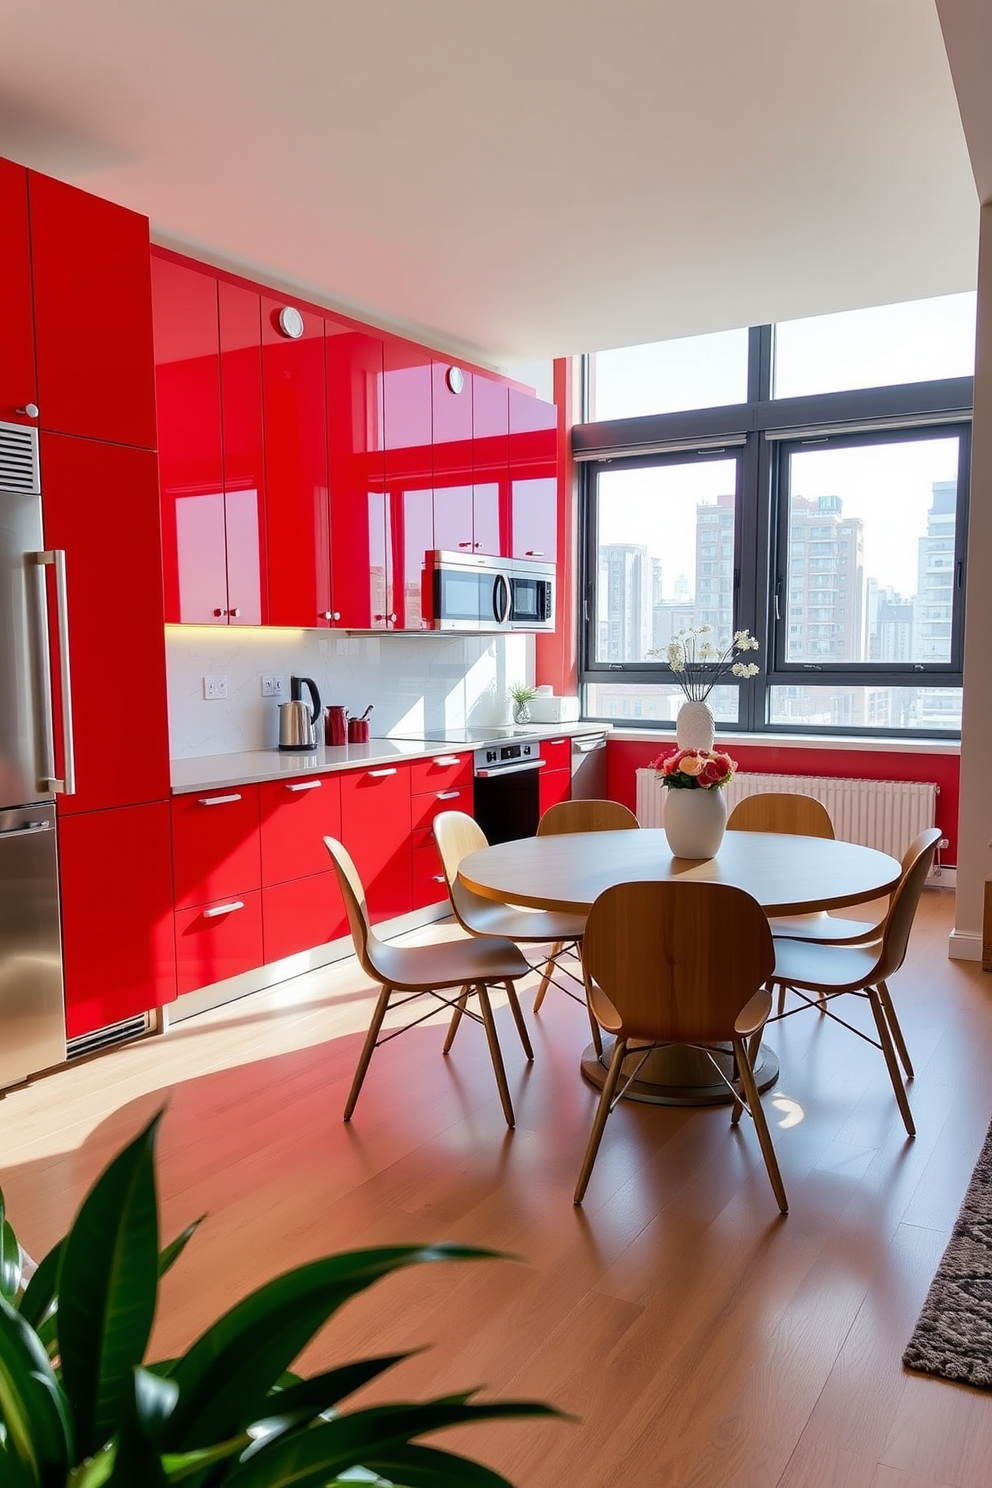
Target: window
[
  {"x": 664, "y": 376},
  {"x": 833, "y": 528}
]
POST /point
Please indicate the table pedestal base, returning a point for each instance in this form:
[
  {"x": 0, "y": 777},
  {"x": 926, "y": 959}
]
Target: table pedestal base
[{"x": 677, "y": 1075}]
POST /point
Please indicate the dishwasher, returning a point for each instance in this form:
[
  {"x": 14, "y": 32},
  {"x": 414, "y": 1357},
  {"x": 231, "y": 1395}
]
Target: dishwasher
[{"x": 589, "y": 767}]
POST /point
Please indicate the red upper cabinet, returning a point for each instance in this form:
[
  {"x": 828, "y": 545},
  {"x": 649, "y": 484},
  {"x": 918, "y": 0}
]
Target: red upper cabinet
[
  {"x": 295, "y": 415},
  {"x": 533, "y": 477},
  {"x": 407, "y": 433},
  {"x": 239, "y": 313},
  {"x": 92, "y": 314},
  {"x": 18, "y": 379},
  {"x": 100, "y": 505},
  {"x": 490, "y": 464},
  {"x": 451, "y": 424},
  {"x": 356, "y": 474}
]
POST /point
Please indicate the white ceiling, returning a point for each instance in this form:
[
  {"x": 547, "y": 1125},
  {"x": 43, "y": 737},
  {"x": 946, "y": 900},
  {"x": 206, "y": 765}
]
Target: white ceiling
[{"x": 517, "y": 179}]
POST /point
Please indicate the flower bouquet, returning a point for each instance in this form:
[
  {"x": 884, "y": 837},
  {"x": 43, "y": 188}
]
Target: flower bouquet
[
  {"x": 694, "y": 823},
  {"x": 694, "y": 769},
  {"x": 697, "y": 664}
]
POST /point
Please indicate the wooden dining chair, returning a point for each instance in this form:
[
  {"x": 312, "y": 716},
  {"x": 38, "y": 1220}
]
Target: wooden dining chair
[
  {"x": 819, "y": 973},
  {"x": 457, "y": 835},
  {"x": 680, "y": 963},
  {"x": 470, "y": 966},
  {"x": 586, "y": 816}
]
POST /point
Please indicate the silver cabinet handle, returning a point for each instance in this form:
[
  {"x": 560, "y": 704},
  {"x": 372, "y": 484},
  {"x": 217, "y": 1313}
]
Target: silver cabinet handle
[
  {"x": 447, "y": 795},
  {"x": 556, "y": 741},
  {"x": 534, "y": 553},
  {"x": 30, "y": 410},
  {"x": 216, "y": 800},
  {"x": 306, "y": 785},
  {"x": 378, "y": 773},
  {"x": 235, "y": 613},
  {"x": 446, "y": 759},
  {"x": 439, "y": 878},
  {"x": 335, "y": 614},
  {"x": 35, "y": 826},
  {"x": 56, "y": 558},
  {"x": 219, "y": 909}
]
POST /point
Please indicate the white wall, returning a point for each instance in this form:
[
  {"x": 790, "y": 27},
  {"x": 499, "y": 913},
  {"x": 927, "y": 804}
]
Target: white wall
[{"x": 415, "y": 682}]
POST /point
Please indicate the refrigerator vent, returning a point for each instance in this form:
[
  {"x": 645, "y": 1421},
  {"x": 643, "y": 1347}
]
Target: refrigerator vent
[
  {"x": 19, "y": 459},
  {"x": 106, "y": 1038}
]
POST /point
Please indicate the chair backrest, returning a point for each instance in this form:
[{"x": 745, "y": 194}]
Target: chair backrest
[
  {"x": 457, "y": 835},
  {"x": 353, "y": 894},
  {"x": 586, "y": 816},
  {"x": 678, "y": 961},
  {"x": 781, "y": 811},
  {"x": 898, "y": 921}
]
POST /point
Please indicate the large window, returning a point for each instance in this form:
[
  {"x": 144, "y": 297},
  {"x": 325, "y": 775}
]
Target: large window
[{"x": 831, "y": 525}]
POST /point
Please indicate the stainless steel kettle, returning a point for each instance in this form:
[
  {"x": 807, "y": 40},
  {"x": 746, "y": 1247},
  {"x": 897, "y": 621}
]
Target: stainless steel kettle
[{"x": 297, "y": 719}]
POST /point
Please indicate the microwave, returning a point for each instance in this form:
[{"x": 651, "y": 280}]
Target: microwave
[{"x": 477, "y": 592}]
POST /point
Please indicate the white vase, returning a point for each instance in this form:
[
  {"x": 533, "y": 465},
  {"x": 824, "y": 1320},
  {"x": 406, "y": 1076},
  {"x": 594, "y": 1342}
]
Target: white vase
[
  {"x": 695, "y": 821},
  {"x": 694, "y": 725}
]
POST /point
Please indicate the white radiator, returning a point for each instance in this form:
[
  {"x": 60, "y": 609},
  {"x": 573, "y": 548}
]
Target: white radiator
[{"x": 886, "y": 814}]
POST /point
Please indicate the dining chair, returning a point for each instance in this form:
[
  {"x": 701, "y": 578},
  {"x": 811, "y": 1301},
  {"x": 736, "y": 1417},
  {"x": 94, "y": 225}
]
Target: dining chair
[
  {"x": 457, "y": 835},
  {"x": 680, "y": 963},
  {"x": 470, "y": 966},
  {"x": 819, "y": 972},
  {"x": 586, "y": 816}
]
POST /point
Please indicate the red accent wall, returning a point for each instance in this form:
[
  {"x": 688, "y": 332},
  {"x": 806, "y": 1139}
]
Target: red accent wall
[{"x": 624, "y": 756}]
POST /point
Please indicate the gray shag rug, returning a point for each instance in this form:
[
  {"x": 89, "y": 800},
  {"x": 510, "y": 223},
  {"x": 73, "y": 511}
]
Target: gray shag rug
[{"x": 953, "y": 1337}]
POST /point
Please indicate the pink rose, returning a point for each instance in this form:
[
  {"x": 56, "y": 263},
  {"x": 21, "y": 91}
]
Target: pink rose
[{"x": 692, "y": 763}]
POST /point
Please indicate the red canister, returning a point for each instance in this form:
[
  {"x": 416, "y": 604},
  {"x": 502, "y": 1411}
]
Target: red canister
[
  {"x": 359, "y": 730},
  {"x": 336, "y": 726}
]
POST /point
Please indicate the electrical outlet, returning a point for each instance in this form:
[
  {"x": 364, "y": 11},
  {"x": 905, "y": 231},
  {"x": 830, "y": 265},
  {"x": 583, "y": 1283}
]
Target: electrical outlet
[
  {"x": 271, "y": 686},
  {"x": 215, "y": 687}
]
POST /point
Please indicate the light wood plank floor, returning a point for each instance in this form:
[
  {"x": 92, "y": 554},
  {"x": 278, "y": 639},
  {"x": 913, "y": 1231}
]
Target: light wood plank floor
[{"x": 699, "y": 1338}]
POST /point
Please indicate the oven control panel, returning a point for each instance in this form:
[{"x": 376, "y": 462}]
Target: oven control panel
[{"x": 501, "y": 756}]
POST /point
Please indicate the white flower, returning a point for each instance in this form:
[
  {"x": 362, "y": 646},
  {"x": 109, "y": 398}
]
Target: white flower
[
  {"x": 745, "y": 669},
  {"x": 676, "y": 656},
  {"x": 708, "y": 652}
]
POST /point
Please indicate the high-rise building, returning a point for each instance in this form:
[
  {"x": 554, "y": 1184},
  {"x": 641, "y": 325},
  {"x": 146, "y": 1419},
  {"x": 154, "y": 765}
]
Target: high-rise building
[
  {"x": 826, "y": 582},
  {"x": 935, "y": 577},
  {"x": 625, "y": 585},
  {"x": 715, "y": 565}
]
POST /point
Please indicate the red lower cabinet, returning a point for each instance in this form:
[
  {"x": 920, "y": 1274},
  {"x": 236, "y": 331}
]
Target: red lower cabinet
[
  {"x": 219, "y": 940},
  {"x": 553, "y": 786},
  {"x": 117, "y": 927},
  {"x": 429, "y": 885},
  {"x": 296, "y": 817},
  {"x": 215, "y": 845},
  {"x": 375, "y": 828},
  {"x": 301, "y": 914}
]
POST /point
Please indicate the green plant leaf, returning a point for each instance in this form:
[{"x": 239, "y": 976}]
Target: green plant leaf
[
  {"x": 180, "y": 1467},
  {"x": 309, "y": 1458},
  {"x": 170, "y": 1255},
  {"x": 40, "y": 1292},
  {"x": 427, "y": 1467},
  {"x": 13, "y": 1473},
  {"x": 107, "y": 1290},
  {"x": 138, "y": 1460},
  {"x": 95, "y": 1471},
  {"x": 10, "y": 1262},
  {"x": 226, "y": 1376},
  {"x": 33, "y": 1408},
  {"x": 298, "y": 1405}
]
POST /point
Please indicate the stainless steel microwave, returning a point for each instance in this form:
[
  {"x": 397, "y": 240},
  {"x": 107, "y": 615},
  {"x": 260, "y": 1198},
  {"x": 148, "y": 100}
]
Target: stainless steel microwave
[{"x": 482, "y": 593}]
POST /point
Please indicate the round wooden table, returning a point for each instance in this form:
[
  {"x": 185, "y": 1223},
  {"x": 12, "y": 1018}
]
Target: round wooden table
[{"x": 787, "y": 875}]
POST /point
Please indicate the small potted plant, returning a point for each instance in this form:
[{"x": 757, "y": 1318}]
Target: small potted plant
[{"x": 522, "y": 693}]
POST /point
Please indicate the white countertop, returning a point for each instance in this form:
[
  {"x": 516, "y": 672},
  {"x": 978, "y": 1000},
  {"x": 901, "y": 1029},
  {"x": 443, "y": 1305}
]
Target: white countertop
[{"x": 216, "y": 771}]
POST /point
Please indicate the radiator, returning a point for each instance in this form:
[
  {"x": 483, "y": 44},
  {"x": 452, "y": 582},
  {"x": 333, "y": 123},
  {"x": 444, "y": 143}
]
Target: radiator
[{"x": 886, "y": 814}]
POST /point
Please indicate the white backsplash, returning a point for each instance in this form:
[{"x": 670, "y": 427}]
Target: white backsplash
[{"x": 415, "y": 682}]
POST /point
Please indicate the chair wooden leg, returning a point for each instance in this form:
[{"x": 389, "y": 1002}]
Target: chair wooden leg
[
  {"x": 597, "y": 1032},
  {"x": 893, "y": 1022},
  {"x": 546, "y": 975},
  {"x": 518, "y": 1018},
  {"x": 456, "y": 1017},
  {"x": 367, "y": 1049},
  {"x": 494, "y": 1052},
  {"x": 599, "y": 1124},
  {"x": 885, "y": 1039},
  {"x": 752, "y": 1053},
  {"x": 760, "y": 1124},
  {"x": 781, "y": 999}
]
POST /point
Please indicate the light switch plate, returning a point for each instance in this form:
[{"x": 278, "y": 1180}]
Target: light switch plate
[
  {"x": 215, "y": 687},
  {"x": 271, "y": 686}
]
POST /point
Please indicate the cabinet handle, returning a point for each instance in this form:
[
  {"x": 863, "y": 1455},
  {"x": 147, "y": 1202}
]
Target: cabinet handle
[
  {"x": 466, "y": 545},
  {"x": 219, "y": 613},
  {"x": 219, "y": 909},
  {"x": 556, "y": 741},
  {"x": 447, "y": 795},
  {"x": 235, "y": 612},
  {"x": 534, "y": 553},
  {"x": 439, "y": 878},
  {"x": 306, "y": 785},
  {"x": 216, "y": 800},
  {"x": 446, "y": 759},
  {"x": 392, "y": 619},
  {"x": 30, "y": 410},
  {"x": 335, "y": 614},
  {"x": 378, "y": 773}
]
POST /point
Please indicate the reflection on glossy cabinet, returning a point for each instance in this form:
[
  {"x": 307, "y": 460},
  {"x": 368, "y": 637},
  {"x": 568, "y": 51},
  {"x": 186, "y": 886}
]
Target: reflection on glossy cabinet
[
  {"x": 92, "y": 315},
  {"x": 533, "y": 478},
  {"x": 553, "y": 786},
  {"x": 356, "y": 473},
  {"x": 407, "y": 429},
  {"x": 240, "y": 330},
  {"x": 118, "y": 947},
  {"x": 296, "y": 816},
  {"x": 375, "y": 828},
  {"x": 218, "y": 940},
  {"x": 451, "y": 439},
  {"x": 302, "y": 914},
  {"x": 490, "y": 464},
  {"x": 18, "y": 379}
]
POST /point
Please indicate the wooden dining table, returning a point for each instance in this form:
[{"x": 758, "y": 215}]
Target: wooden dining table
[{"x": 787, "y": 875}]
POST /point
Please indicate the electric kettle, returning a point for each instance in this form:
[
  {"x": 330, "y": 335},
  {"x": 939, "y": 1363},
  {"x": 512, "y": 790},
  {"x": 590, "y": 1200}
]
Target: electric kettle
[{"x": 297, "y": 719}]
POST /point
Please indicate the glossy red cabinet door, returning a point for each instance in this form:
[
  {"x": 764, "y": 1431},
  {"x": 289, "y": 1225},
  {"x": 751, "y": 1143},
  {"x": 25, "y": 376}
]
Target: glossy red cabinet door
[
  {"x": 356, "y": 473},
  {"x": 92, "y": 314},
  {"x": 302, "y": 914},
  {"x": 490, "y": 464},
  {"x": 296, "y": 817},
  {"x": 375, "y": 828},
  {"x": 100, "y": 505},
  {"x": 407, "y": 432},
  {"x": 553, "y": 786},
  {"x": 118, "y": 947},
  {"x": 240, "y": 324},
  {"x": 215, "y": 844},
  {"x": 295, "y": 415},
  {"x": 217, "y": 941},
  {"x": 18, "y": 380},
  {"x": 429, "y": 885},
  {"x": 451, "y": 441}
]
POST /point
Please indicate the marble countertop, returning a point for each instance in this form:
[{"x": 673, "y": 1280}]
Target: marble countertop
[{"x": 250, "y": 767}]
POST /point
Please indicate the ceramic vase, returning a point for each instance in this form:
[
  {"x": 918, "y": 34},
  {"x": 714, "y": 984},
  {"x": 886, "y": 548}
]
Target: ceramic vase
[
  {"x": 695, "y": 821},
  {"x": 694, "y": 725}
]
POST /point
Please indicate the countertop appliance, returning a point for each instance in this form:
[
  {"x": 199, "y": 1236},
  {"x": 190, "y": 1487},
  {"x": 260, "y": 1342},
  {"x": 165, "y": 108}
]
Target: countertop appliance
[
  {"x": 32, "y": 1012},
  {"x": 477, "y": 592},
  {"x": 297, "y": 719},
  {"x": 589, "y": 767},
  {"x": 507, "y": 799}
]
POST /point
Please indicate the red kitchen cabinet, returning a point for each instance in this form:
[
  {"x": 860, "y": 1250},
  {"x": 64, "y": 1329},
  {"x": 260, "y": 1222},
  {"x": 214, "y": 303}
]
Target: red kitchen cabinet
[
  {"x": 429, "y": 884},
  {"x": 118, "y": 946},
  {"x": 375, "y": 828},
  {"x": 92, "y": 315},
  {"x": 215, "y": 845},
  {"x": 18, "y": 377},
  {"x": 240, "y": 327},
  {"x": 441, "y": 772},
  {"x": 490, "y": 464},
  {"x": 442, "y": 783},
  {"x": 302, "y": 914},
  {"x": 407, "y": 432},
  {"x": 356, "y": 472},
  {"x": 533, "y": 477},
  {"x": 555, "y": 780},
  {"x": 296, "y": 816},
  {"x": 296, "y": 472},
  {"x": 451, "y": 451},
  {"x": 219, "y": 940},
  {"x": 100, "y": 506}
]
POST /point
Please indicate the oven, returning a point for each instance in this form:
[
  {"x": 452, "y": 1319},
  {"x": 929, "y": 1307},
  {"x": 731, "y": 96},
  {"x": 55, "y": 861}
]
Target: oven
[{"x": 507, "y": 802}]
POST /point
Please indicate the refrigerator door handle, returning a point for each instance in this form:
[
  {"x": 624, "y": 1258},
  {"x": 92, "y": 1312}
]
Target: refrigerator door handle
[
  {"x": 34, "y": 826},
  {"x": 41, "y": 660},
  {"x": 67, "y": 784}
]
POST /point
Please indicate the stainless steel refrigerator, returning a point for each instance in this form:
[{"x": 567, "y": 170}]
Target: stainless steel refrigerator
[{"x": 32, "y": 1012}]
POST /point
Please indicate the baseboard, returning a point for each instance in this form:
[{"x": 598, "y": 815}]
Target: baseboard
[
  {"x": 964, "y": 945},
  {"x": 942, "y": 878}
]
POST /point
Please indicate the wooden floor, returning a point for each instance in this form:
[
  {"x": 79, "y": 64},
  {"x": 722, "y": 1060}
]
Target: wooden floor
[{"x": 701, "y": 1340}]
